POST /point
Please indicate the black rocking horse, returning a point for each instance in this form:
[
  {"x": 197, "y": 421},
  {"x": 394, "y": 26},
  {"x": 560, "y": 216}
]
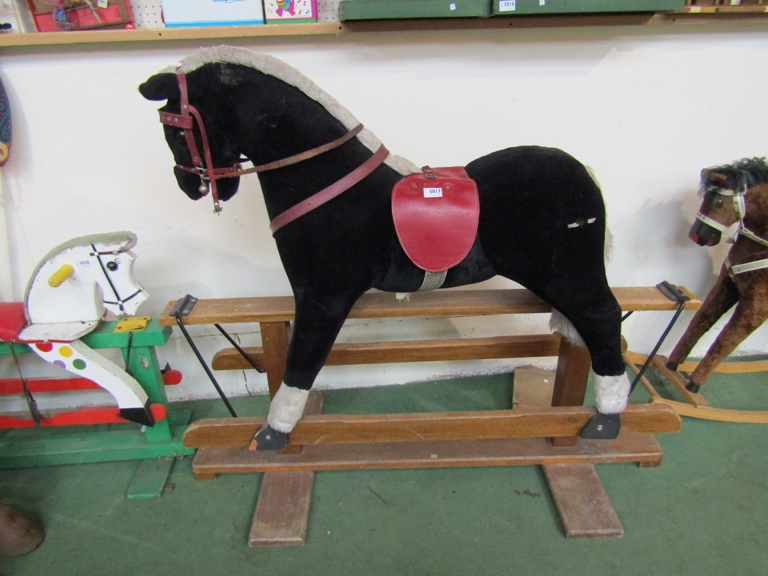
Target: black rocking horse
[{"x": 328, "y": 187}]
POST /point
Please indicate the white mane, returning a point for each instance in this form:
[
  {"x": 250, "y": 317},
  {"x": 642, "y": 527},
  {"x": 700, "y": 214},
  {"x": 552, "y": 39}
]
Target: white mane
[{"x": 274, "y": 67}]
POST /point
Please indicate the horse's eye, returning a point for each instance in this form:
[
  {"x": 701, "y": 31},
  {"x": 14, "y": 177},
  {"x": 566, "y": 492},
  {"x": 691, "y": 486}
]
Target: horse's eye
[
  {"x": 112, "y": 266},
  {"x": 180, "y": 138}
]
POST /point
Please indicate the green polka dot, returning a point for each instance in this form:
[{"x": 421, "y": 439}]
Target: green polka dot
[{"x": 79, "y": 364}]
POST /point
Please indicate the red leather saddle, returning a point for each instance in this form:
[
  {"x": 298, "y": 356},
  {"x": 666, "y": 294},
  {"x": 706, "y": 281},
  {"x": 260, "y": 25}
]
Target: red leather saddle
[{"x": 436, "y": 215}]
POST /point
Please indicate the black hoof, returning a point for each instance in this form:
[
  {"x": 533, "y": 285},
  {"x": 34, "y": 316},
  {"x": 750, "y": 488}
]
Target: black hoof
[
  {"x": 141, "y": 416},
  {"x": 691, "y": 387},
  {"x": 601, "y": 427},
  {"x": 269, "y": 439},
  {"x": 671, "y": 366}
]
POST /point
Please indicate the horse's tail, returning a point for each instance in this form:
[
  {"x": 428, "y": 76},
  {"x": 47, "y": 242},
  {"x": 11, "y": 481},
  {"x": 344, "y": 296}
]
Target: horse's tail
[{"x": 608, "y": 247}]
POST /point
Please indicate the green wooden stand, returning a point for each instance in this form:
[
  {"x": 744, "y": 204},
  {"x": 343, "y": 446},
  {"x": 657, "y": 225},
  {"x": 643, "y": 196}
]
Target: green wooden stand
[{"x": 24, "y": 447}]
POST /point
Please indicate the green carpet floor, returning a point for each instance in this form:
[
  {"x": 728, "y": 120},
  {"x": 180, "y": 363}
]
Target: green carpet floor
[{"x": 704, "y": 511}]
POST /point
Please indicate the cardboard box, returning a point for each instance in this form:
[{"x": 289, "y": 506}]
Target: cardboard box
[
  {"x": 294, "y": 11},
  {"x": 515, "y": 7},
  {"x": 178, "y": 13},
  {"x": 79, "y": 15},
  {"x": 385, "y": 9}
]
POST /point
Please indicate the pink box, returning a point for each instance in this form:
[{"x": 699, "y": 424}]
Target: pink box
[{"x": 291, "y": 11}]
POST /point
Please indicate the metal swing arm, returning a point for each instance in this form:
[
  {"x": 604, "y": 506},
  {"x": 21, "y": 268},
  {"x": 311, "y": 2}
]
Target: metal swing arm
[
  {"x": 673, "y": 293},
  {"x": 183, "y": 308}
]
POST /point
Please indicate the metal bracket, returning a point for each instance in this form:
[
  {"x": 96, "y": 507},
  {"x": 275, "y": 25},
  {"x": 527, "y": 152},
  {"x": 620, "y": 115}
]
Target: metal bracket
[{"x": 183, "y": 306}]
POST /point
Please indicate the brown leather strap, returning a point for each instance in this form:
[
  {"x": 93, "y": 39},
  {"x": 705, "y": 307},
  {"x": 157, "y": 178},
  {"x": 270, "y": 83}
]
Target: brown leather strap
[
  {"x": 331, "y": 191},
  {"x": 295, "y": 159},
  {"x": 179, "y": 121},
  {"x": 202, "y": 165}
]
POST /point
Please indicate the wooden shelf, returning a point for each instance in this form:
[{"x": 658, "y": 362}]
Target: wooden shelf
[{"x": 703, "y": 15}]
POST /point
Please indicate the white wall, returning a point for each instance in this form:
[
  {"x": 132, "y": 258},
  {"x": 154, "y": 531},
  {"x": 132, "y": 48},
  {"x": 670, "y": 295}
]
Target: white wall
[{"x": 646, "y": 107}]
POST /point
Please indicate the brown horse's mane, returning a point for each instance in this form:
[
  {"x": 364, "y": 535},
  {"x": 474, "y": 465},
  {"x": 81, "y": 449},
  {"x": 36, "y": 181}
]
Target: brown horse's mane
[{"x": 742, "y": 174}]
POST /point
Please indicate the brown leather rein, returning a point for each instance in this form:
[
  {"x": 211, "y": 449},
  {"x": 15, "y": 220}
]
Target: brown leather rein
[{"x": 202, "y": 164}]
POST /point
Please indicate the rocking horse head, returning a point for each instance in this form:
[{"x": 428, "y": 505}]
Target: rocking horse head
[
  {"x": 227, "y": 105},
  {"x": 78, "y": 280},
  {"x": 204, "y": 152},
  {"x": 735, "y": 193},
  {"x": 728, "y": 192}
]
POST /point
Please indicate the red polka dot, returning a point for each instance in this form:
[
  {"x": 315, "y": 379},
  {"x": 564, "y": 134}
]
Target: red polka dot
[{"x": 44, "y": 346}]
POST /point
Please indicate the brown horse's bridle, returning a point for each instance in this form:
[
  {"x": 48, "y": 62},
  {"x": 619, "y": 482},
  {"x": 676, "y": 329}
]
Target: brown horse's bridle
[
  {"x": 202, "y": 164},
  {"x": 740, "y": 207}
]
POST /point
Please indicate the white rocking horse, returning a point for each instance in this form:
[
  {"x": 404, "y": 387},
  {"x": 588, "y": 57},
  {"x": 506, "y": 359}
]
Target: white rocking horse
[{"x": 67, "y": 297}]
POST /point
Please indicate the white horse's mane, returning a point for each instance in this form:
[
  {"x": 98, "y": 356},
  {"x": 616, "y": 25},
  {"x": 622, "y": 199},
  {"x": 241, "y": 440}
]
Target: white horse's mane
[{"x": 273, "y": 67}]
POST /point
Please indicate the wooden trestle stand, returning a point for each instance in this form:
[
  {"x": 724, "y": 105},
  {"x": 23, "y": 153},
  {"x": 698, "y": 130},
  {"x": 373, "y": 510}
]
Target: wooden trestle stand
[{"x": 541, "y": 429}]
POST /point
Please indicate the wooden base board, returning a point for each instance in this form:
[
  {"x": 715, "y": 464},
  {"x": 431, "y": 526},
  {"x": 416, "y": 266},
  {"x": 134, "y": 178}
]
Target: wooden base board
[
  {"x": 282, "y": 511},
  {"x": 150, "y": 478},
  {"x": 584, "y": 507},
  {"x": 640, "y": 448}
]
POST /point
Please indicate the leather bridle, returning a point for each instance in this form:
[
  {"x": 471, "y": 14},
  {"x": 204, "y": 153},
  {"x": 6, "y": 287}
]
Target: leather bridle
[
  {"x": 739, "y": 199},
  {"x": 202, "y": 164}
]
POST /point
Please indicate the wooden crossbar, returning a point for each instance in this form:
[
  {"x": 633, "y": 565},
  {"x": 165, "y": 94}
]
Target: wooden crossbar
[
  {"x": 441, "y": 303},
  {"x": 431, "y": 426},
  {"x": 533, "y": 346},
  {"x": 274, "y": 312}
]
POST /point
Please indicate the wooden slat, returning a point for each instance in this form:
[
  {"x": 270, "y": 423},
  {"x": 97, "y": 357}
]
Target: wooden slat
[
  {"x": 421, "y": 304},
  {"x": 411, "y": 351},
  {"x": 707, "y": 15},
  {"x": 640, "y": 448},
  {"x": 282, "y": 511},
  {"x": 679, "y": 382},
  {"x": 275, "y": 337},
  {"x": 532, "y": 387},
  {"x": 584, "y": 507},
  {"x": 716, "y": 414},
  {"x": 729, "y": 367},
  {"x": 150, "y": 478},
  {"x": 733, "y": 367},
  {"x": 344, "y": 429}
]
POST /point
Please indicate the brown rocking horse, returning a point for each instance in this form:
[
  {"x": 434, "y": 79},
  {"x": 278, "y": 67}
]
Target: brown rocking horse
[{"x": 734, "y": 193}]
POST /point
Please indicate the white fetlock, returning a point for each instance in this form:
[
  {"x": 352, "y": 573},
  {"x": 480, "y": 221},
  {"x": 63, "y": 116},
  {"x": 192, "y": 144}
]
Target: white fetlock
[
  {"x": 286, "y": 408},
  {"x": 611, "y": 393}
]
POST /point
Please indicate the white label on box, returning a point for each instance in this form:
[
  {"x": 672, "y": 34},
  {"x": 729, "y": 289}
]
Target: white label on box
[
  {"x": 542, "y": 2},
  {"x": 506, "y": 5},
  {"x": 433, "y": 192},
  {"x": 452, "y": 6}
]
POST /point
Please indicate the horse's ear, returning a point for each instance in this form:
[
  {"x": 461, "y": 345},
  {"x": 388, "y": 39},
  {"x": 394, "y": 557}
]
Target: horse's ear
[
  {"x": 160, "y": 87},
  {"x": 718, "y": 178}
]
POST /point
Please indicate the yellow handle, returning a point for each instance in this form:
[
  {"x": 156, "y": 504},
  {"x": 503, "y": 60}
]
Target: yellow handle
[{"x": 60, "y": 275}]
